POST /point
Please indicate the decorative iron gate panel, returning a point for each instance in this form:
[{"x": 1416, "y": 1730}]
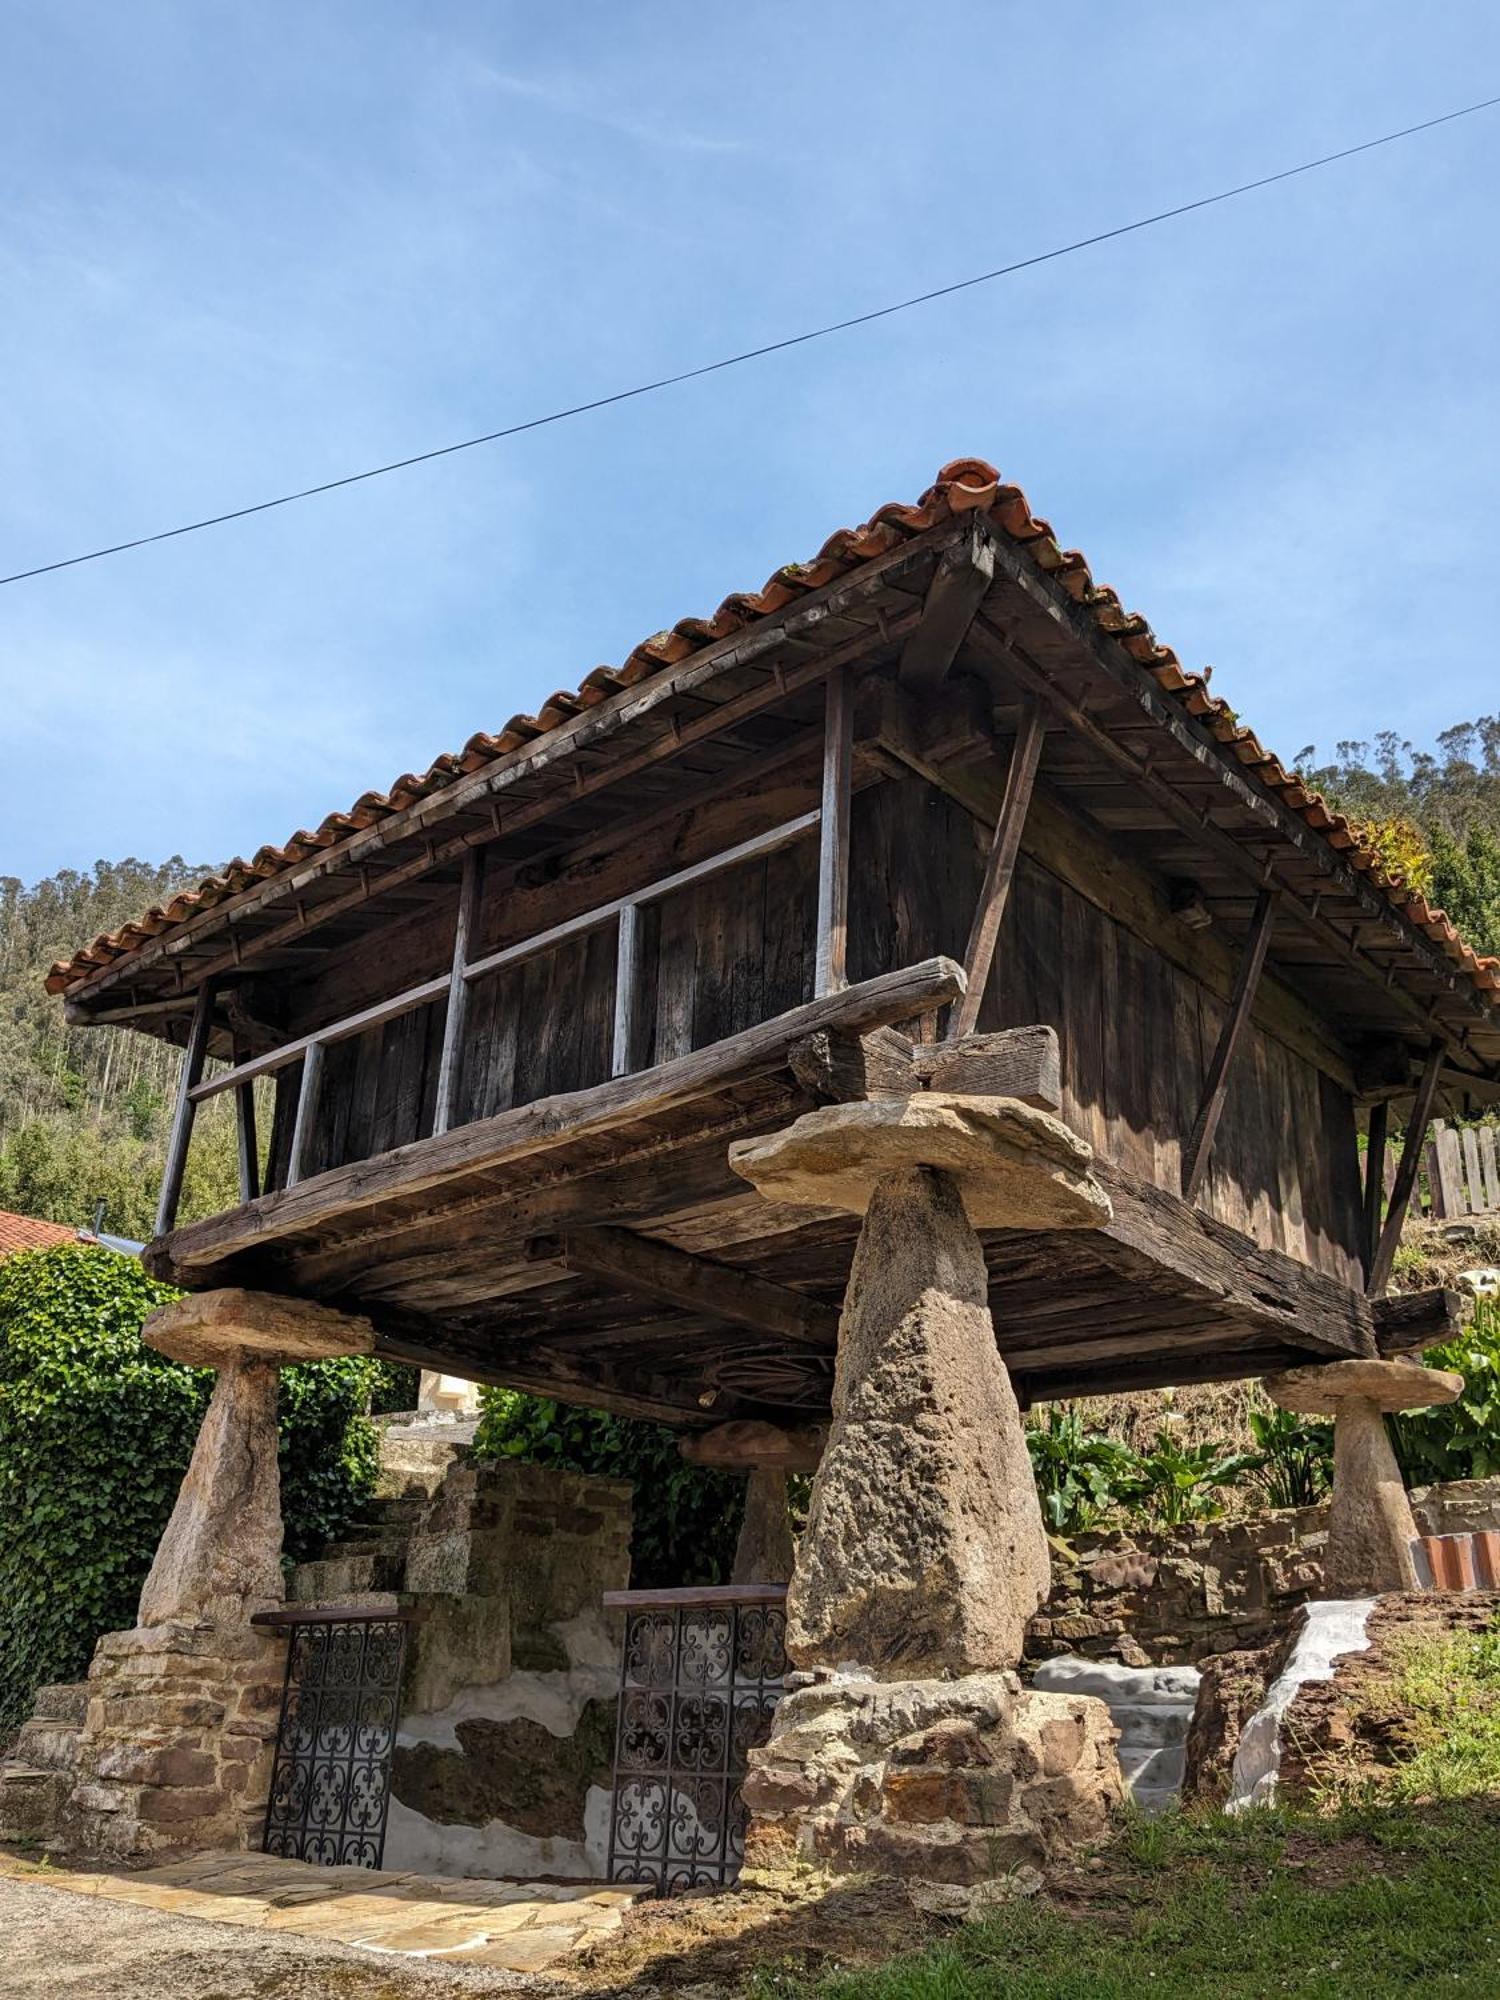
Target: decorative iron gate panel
[
  {"x": 700, "y": 1677},
  {"x": 330, "y": 1785}
]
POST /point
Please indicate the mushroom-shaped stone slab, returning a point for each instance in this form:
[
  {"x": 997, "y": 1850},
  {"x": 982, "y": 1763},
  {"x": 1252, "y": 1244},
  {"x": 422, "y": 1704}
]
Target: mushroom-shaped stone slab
[
  {"x": 1370, "y": 1524},
  {"x": 1014, "y": 1167},
  {"x": 212, "y": 1329}
]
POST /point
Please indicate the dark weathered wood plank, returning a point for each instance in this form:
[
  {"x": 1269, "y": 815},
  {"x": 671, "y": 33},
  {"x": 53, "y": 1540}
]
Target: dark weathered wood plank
[
  {"x": 1005, "y": 846},
  {"x": 841, "y": 1069},
  {"x": 1201, "y": 1139},
  {"x": 531, "y": 1128},
  {"x": 1374, "y": 1181},
  {"x": 1406, "y": 1321},
  {"x": 1406, "y": 1173},
  {"x": 307, "y": 1106},
  {"x": 622, "y": 1039}
]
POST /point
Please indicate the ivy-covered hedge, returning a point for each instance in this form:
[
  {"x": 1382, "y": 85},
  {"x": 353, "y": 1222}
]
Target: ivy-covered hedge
[
  {"x": 687, "y": 1519},
  {"x": 96, "y": 1430}
]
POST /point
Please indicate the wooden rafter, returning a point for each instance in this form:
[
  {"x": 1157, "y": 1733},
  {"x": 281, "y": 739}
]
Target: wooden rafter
[
  {"x": 695, "y": 1283},
  {"x": 1005, "y": 846},
  {"x": 1200, "y": 1143},
  {"x": 964, "y": 573},
  {"x": 1406, "y": 1173}
]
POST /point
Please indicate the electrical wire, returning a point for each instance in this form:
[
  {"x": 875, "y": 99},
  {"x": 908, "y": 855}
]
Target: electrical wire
[{"x": 758, "y": 353}]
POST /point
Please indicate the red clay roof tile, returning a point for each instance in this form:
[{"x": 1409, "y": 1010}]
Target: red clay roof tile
[{"x": 966, "y": 485}]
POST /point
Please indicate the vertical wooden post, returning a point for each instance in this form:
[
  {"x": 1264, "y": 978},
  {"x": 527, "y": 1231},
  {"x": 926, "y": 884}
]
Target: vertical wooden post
[
  {"x": 248, "y": 1152},
  {"x": 185, "y": 1110},
  {"x": 1406, "y": 1174},
  {"x": 307, "y": 1103},
  {"x": 999, "y": 871},
  {"x": 1380, "y": 1113},
  {"x": 465, "y": 928},
  {"x": 622, "y": 1047},
  {"x": 831, "y": 973},
  {"x": 1216, "y": 1085}
]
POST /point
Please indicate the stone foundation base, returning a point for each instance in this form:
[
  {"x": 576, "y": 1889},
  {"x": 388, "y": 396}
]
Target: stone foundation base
[
  {"x": 174, "y": 1750},
  {"x": 959, "y": 1781}
]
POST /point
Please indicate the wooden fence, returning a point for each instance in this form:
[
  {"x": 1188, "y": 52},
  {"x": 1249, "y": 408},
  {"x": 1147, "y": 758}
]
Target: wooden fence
[{"x": 1463, "y": 1171}]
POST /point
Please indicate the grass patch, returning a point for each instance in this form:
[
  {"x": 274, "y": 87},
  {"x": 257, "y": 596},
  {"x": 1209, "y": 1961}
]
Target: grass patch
[
  {"x": 1373, "y": 1902},
  {"x": 1448, "y": 1687}
]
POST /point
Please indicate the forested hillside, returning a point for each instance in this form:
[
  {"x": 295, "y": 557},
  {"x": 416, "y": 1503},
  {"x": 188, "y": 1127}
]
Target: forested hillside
[{"x": 83, "y": 1112}]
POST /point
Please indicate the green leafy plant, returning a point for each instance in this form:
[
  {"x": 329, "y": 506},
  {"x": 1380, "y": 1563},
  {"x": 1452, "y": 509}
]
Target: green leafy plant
[
  {"x": 1458, "y": 1440},
  {"x": 1173, "y": 1483},
  {"x": 1079, "y": 1473},
  {"x": 1293, "y": 1460},
  {"x": 686, "y": 1519},
  {"x": 96, "y": 1430}
]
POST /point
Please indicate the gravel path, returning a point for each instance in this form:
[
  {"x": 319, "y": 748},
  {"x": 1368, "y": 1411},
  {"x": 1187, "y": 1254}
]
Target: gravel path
[{"x": 56, "y": 1945}]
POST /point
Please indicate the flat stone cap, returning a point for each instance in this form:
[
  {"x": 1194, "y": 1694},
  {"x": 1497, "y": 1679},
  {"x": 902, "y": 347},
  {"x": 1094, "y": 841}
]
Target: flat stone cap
[
  {"x": 1389, "y": 1385},
  {"x": 752, "y": 1446},
  {"x": 210, "y": 1329},
  {"x": 1016, "y": 1167}
]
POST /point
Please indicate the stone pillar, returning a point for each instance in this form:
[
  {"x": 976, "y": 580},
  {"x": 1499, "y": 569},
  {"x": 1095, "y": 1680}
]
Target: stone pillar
[
  {"x": 908, "y": 1745},
  {"x": 1371, "y": 1529},
  {"x": 175, "y": 1748},
  {"x": 765, "y": 1551}
]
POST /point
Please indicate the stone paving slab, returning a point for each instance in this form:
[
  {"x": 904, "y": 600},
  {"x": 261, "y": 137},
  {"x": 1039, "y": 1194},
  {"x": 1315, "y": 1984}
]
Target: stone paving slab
[{"x": 512, "y": 1926}]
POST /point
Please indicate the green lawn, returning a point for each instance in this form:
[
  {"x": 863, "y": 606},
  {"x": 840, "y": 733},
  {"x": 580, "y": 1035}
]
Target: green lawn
[{"x": 1380, "y": 1900}]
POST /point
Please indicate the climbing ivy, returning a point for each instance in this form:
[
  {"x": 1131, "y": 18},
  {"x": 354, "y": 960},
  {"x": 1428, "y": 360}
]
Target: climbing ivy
[{"x": 96, "y": 1430}]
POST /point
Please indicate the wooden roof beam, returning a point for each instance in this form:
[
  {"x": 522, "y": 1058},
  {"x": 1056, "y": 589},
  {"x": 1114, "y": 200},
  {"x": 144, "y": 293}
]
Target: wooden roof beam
[
  {"x": 964, "y": 574},
  {"x": 695, "y": 1283}
]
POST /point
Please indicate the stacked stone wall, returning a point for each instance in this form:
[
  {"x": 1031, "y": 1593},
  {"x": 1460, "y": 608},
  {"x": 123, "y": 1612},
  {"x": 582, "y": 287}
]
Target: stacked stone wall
[
  {"x": 1181, "y": 1596},
  {"x": 504, "y": 1759}
]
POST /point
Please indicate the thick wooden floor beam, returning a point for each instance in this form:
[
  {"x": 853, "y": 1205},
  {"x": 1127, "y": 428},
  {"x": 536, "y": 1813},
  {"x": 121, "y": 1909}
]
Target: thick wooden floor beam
[
  {"x": 694, "y": 1283},
  {"x": 549, "y": 1122},
  {"x": 1407, "y": 1321}
]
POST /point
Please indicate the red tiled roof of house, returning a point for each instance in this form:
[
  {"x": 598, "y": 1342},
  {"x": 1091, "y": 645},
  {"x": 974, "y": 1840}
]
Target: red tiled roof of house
[
  {"x": 966, "y": 485},
  {"x": 26, "y": 1232}
]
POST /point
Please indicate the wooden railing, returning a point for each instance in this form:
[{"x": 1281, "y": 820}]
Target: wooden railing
[{"x": 829, "y": 819}]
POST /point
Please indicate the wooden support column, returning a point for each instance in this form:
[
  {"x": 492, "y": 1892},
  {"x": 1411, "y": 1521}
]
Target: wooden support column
[
  {"x": 831, "y": 973},
  {"x": 1374, "y": 1181},
  {"x": 623, "y": 1046},
  {"x": 450, "y": 1067},
  {"x": 307, "y": 1104},
  {"x": 1020, "y": 780},
  {"x": 186, "y": 1108},
  {"x": 1406, "y": 1173},
  {"x": 1201, "y": 1141},
  {"x": 247, "y": 1150},
  {"x": 963, "y": 575}
]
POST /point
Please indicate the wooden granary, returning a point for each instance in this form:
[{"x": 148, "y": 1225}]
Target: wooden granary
[{"x": 933, "y": 785}]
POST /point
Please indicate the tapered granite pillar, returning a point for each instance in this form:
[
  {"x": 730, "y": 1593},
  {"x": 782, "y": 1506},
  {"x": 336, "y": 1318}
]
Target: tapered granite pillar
[
  {"x": 175, "y": 1748},
  {"x": 1371, "y": 1529},
  {"x": 911, "y": 1747}
]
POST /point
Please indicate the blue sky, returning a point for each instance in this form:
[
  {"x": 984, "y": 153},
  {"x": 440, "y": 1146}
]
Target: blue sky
[{"x": 243, "y": 248}]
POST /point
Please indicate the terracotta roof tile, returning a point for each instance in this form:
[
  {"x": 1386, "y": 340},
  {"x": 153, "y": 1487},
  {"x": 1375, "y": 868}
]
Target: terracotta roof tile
[
  {"x": 26, "y": 1232},
  {"x": 966, "y": 485}
]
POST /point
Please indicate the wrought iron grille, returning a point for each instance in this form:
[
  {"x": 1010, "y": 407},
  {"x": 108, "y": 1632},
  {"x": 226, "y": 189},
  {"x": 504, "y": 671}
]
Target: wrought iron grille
[
  {"x": 700, "y": 1676},
  {"x": 330, "y": 1784}
]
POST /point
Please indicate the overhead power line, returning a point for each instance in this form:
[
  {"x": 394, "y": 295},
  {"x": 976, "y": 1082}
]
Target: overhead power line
[{"x": 758, "y": 353}]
